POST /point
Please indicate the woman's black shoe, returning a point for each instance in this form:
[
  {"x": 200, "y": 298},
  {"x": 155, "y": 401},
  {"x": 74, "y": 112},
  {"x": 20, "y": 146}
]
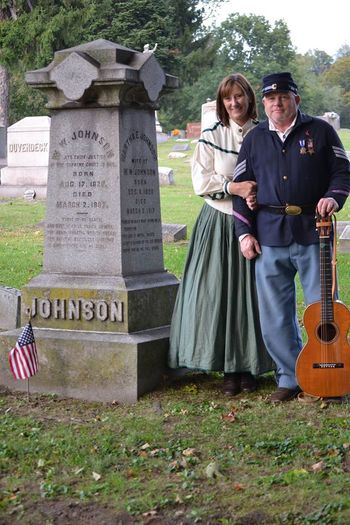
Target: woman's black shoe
[
  {"x": 232, "y": 384},
  {"x": 248, "y": 382}
]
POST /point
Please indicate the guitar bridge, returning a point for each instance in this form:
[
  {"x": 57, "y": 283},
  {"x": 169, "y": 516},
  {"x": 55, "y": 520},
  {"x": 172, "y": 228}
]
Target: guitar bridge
[{"x": 328, "y": 365}]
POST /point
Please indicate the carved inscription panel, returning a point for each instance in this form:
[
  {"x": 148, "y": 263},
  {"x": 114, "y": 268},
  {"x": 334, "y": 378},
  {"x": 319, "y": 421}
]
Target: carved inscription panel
[
  {"x": 82, "y": 217},
  {"x": 103, "y": 193},
  {"x": 141, "y": 230}
]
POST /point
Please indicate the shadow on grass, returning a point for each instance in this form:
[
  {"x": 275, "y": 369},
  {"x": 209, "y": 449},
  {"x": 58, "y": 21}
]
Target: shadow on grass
[{"x": 209, "y": 381}]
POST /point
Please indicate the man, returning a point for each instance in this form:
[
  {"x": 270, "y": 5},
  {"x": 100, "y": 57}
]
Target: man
[{"x": 299, "y": 165}]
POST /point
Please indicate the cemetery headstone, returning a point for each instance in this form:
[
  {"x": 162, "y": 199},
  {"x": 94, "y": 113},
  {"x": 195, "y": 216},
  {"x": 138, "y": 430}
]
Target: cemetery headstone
[
  {"x": 176, "y": 155},
  {"x": 10, "y": 308},
  {"x": 166, "y": 176},
  {"x": 181, "y": 146},
  {"x": 174, "y": 232},
  {"x": 27, "y": 156},
  {"x": 102, "y": 306},
  {"x": 343, "y": 231},
  {"x": 208, "y": 114},
  {"x": 332, "y": 118}
]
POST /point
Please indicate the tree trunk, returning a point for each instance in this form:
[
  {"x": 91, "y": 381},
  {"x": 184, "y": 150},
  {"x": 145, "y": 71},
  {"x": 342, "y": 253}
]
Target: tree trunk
[{"x": 4, "y": 96}]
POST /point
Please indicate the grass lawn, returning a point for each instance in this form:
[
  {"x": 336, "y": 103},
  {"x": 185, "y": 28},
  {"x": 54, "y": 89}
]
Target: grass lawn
[{"x": 184, "y": 454}]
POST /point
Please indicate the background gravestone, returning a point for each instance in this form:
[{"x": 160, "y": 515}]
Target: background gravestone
[
  {"x": 27, "y": 157},
  {"x": 209, "y": 115},
  {"x": 166, "y": 176},
  {"x": 103, "y": 288},
  {"x": 10, "y": 304},
  {"x": 181, "y": 147},
  {"x": 343, "y": 234}
]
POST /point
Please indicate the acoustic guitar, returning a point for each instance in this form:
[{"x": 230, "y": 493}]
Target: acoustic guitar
[{"x": 323, "y": 365}]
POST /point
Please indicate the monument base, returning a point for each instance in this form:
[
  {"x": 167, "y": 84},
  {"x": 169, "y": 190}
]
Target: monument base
[
  {"x": 24, "y": 175},
  {"x": 140, "y": 302},
  {"x": 92, "y": 366}
]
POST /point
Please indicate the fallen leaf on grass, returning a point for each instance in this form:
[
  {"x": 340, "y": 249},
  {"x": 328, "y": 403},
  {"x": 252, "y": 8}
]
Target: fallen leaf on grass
[
  {"x": 231, "y": 416},
  {"x": 333, "y": 452},
  {"x": 150, "y": 514},
  {"x": 188, "y": 452},
  {"x": 318, "y": 467},
  {"x": 191, "y": 389},
  {"x": 212, "y": 470},
  {"x": 156, "y": 451},
  {"x": 178, "y": 464}
]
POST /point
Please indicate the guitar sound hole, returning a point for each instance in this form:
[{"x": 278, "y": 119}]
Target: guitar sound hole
[{"x": 326, "y": 332}]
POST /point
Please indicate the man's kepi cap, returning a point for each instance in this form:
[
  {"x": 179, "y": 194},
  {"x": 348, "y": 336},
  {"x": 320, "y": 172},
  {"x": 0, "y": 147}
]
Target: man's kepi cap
[{"x": 279, "y": 82}]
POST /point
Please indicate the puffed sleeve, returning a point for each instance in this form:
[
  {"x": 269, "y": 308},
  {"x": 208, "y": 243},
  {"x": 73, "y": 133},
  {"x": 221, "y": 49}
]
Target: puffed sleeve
[{"x": 205, "y": 179}]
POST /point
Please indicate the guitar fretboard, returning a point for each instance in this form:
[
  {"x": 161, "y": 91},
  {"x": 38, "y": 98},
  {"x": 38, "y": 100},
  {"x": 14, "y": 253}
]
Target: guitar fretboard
[{"x": 327, "y": 314}]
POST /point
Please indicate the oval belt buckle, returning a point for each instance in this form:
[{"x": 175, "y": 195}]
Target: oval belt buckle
[{"x": 292, "y": 209}]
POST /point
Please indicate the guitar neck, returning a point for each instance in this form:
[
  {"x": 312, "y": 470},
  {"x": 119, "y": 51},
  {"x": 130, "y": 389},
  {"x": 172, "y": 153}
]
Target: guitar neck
[{"x": 327, "y": 313}]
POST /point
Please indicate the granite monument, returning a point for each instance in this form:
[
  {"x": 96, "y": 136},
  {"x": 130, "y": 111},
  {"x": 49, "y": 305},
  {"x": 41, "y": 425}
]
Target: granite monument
[{"x": 102, "y": 306}]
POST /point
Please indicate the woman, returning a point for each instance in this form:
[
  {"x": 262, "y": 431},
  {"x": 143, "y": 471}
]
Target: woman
[{"x": 215, "y": 324}]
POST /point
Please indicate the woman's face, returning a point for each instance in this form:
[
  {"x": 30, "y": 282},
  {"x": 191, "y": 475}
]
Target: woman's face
[{"x": 236, "y": 103}]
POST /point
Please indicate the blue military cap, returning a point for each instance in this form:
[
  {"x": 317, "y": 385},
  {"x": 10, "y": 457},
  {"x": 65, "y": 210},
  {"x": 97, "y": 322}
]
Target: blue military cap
[{"x": 279, "y": 82}]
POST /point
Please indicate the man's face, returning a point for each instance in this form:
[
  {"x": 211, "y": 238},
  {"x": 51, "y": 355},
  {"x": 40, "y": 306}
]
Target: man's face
[{"x": 281, "y": 107}]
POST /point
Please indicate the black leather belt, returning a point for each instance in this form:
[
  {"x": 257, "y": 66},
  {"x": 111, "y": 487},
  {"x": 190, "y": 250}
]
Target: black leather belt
[{"x": 289, "y": 209}]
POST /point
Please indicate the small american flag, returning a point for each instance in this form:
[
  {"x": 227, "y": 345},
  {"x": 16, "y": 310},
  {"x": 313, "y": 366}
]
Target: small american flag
[{"x": 23, "y": 358}]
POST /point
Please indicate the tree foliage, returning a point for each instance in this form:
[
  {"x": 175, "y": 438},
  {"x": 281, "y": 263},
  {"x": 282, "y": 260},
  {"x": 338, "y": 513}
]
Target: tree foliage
[
  {"x": 242, "y": 43},
  {"x": 319, "y": 61},
  {"x": 32, "y": 30},
  {"x": 339, "y": 75}
]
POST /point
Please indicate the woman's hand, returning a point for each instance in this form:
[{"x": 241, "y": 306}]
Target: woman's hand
[{"x": 251, "y": 202}]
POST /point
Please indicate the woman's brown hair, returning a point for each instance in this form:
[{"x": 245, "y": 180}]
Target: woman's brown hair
[{"x": 224, "y": 90}]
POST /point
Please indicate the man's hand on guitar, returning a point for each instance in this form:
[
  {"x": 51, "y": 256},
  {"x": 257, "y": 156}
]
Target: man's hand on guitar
[
  {"x": 327, "y": 206},
  {"x": 250, "y": 247}
]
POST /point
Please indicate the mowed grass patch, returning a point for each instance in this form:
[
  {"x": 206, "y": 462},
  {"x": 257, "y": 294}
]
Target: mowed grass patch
[
  {"x": 182, "y": 451},
  {"x": 21, "y": 256},
  {"x": 344, "y": 135}
]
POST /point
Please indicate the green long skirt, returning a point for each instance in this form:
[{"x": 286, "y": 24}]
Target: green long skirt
[{"x": 215, "y": 324}]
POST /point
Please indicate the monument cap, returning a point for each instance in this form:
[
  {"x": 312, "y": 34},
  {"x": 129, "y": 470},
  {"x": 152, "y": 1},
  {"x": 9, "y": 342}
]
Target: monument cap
[{"x": 279, "y": 82}]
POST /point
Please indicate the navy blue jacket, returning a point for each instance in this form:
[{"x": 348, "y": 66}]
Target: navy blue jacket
[{"x": 310, "y": 164}]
